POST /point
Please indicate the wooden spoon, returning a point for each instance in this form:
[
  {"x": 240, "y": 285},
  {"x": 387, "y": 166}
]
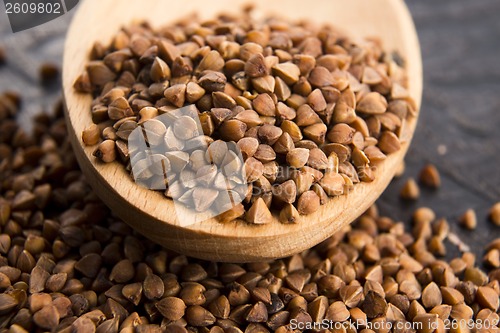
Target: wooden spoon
[{"x": 150, "y": 212}]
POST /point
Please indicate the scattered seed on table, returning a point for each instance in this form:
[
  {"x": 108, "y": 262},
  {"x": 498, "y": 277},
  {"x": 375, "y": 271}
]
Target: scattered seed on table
[
  {"x": 410, "y": 190},
  {"x": 3, "y": 55},
  {"x": 495, "y": 214},
  {"x": 429, "y": 176},
  {"x": 469, "y": 219},
  {"x": 49, "y": 72}
]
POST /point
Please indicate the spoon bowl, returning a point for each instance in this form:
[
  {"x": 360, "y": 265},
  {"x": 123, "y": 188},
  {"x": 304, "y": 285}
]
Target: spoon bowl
[{"x": 149, "y": 212}]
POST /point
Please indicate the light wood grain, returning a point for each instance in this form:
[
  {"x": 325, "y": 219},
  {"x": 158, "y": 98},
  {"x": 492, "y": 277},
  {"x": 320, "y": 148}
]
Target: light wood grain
[{"x": 153, "y": 215}]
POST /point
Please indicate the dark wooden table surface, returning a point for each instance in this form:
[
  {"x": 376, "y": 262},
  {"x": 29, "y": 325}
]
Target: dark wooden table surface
[{"x": 459, "y": 128}]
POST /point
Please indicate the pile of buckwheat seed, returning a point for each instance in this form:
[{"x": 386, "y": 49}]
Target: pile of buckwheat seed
[
  {"x": 312, "y": 111},
  {"x": 68, "y": 265}
]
